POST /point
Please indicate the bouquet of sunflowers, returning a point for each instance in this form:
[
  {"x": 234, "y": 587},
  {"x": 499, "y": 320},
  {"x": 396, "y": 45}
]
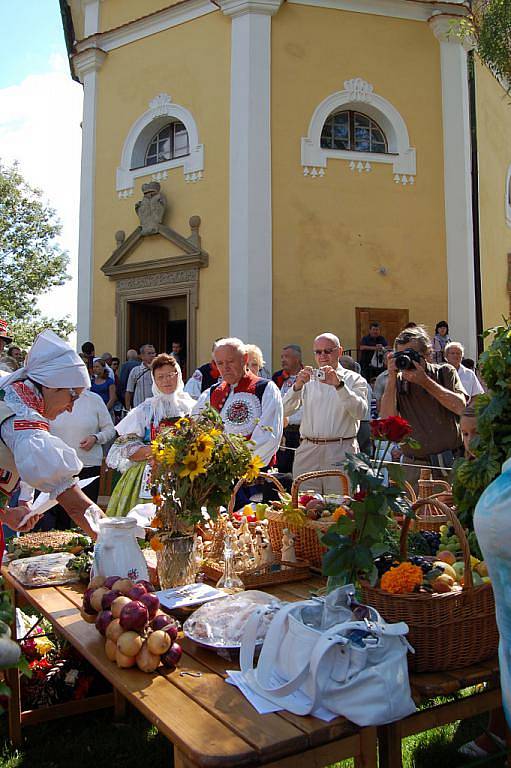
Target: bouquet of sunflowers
[{"x": 196, "y": 464}]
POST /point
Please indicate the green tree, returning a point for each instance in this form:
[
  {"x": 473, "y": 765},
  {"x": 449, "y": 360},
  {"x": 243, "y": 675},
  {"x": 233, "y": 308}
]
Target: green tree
[
  {"x": 31, "y": 261},
  {"x": 490, "y": 24}
]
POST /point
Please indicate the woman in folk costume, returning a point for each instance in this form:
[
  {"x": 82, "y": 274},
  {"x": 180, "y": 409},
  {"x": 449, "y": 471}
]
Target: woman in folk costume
[
  {"x": 52, "y": 378},
  {"x": 132, "y": 450}
]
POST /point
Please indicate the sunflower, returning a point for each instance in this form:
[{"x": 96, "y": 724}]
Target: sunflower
[
  {"x": 254, "y": 468},
  {"x": 184, "y": 421},
  {"x": 193, "y": 466},
  {"x": 203, "y": 447},
  {"x": 168, "y": 456}
]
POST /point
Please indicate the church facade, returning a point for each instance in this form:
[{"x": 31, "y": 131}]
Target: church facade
[{"x": 272, "y": 169}]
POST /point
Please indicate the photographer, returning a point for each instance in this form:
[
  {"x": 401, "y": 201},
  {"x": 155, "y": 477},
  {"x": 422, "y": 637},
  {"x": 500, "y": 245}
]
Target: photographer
[
  {"x": 334, "y": 400},
  {"x": 430, "y": 397}
]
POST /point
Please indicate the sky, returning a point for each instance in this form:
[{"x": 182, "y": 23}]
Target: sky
[{"x": 40, "y": 115}]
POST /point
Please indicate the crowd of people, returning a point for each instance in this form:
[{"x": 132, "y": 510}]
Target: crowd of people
[{"x": 302, "y": 418}]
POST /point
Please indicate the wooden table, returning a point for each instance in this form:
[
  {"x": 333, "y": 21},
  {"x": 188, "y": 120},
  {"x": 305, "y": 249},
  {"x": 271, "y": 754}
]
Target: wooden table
[{"x": 210, "y": 724}]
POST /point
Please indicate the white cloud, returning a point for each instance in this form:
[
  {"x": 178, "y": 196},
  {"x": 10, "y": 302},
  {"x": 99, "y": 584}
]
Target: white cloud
[{"x": 40, "y": 127}]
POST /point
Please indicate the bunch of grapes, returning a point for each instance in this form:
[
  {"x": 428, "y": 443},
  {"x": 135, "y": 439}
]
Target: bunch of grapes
[
  {"x": 384, "y": 563},
  {"x": 448, "y": 539},
  {"x": 425, "y": 566},
  {"x": 432, "y": 539}
]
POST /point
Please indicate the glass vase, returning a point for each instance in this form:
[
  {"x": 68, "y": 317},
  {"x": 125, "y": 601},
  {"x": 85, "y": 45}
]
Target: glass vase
[{"x": 176, "y": 561}]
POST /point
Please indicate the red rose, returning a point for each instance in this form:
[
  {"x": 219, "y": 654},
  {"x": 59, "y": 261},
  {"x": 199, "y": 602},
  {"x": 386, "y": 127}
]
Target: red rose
[
  {"x": 394, "y": 429},
  {"x": 397, "y": 429},
  {"x": 305, "y": 498},
  {"x": 378, "y": 429},
  {"x": 359, "y": 495}
]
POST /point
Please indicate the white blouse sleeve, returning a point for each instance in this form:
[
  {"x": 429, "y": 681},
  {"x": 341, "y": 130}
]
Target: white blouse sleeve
[
  {"x": 131, "y": 431},
  {"x": 43, "y": 460},
  {"x": 201, "y": 403},
  {"x": 194, "y": 385},
  {"x": 268, "y": 432}
]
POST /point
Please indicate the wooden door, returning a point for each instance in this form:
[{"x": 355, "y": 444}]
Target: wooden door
[
  {"x": 147, "y": 325},
  {"x": 392, "y": 321}
]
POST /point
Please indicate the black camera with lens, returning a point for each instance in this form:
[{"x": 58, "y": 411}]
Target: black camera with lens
[{"x": 406, "y": 358}]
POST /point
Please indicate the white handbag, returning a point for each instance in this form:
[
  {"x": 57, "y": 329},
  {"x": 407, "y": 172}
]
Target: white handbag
[{"x": 357, "y": 669}]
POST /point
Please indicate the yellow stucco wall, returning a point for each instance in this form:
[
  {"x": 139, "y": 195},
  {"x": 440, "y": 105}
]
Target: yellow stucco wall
[
  {"x": 116, "y": 12},
  {"x": 332, "y": 234},
  {"x": 130, "y": 77},
  {"x": 494, "y": 155}
]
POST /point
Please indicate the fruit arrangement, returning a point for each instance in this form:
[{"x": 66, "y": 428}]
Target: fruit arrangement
[{"x": 128, "y": 615}]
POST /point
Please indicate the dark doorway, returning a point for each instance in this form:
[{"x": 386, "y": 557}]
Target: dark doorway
[{"x": 158, "y": 322}]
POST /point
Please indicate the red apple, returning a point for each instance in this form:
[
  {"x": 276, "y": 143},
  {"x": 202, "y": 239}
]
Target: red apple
[
  {"x": 134, "y": 616},
  {"x": 110, "y": 581},
  {"x": 136, "y": 592},
  {"x": 152, "y": 604},
  {"x": 103, "y": 620},
  {"x": 173, "y": 656},
  {"x": 107, "y": 600},
  {"x": 147, "y": 584}
]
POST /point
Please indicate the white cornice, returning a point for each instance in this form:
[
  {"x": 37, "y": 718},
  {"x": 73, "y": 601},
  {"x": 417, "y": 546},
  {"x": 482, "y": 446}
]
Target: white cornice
[
  {"x": 400, "y": 9},
  {"x": 240, "y": 7},
  {"x": 447, "y": 29},
  {"x": 150, "y": 25},
  {"x": 89, "y": 60}
]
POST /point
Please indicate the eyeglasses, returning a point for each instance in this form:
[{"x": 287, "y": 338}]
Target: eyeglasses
[
  {"x": 325, "y": 351},
  {"x": 167, "y": 375}
]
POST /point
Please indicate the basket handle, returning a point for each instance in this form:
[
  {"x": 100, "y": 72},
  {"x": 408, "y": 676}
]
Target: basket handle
[
  {"x": 265, "y": 475},
  {"x": 322, "y": 473},
  {"x": 468, "y": 582},
  {"x": 441, "y": 483}
]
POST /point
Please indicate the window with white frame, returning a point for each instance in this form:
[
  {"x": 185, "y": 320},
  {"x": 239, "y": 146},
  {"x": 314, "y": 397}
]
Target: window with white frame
[
  {"x": 169, "y": 142},
  {"x": 353, "y": 131}
]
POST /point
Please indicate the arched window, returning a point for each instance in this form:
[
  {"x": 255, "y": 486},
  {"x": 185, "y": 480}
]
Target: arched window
[
  {"x": 352, "y": 131},
  {"x": 169, "y": 142}
]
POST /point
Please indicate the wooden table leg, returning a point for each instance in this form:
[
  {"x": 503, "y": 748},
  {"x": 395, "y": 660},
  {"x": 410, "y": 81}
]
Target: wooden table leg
[
  {"x": 181, "y": 761},
  {"x": 12, "y": 678},
  {"x": 368, "y": 749},
  {"x": 389, "y": 746},
  {"x": 119, "y": 706}
]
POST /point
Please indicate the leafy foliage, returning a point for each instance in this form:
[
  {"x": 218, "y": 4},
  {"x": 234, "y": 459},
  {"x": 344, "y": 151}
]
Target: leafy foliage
[
  {"x": 31, "y": 261},
  {"x": 355, "y": 539},
  {"x": 491, "y": 21},
  {"x": 493, "y": 444}
]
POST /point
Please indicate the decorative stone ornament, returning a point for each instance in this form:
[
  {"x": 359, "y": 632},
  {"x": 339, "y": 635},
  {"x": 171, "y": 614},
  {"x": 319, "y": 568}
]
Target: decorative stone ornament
[{"x": 151, "y": 209}]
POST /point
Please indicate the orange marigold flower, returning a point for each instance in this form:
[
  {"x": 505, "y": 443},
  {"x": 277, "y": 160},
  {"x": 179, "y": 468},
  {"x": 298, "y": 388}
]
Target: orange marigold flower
[
  {"x": 402, "y": 579},
  {"x": 156, "y": 544},
  {"x": 339, "y": 512}
]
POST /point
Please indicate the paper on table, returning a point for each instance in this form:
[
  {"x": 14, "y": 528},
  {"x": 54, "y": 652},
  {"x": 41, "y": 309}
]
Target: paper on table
[
  {"x": 264, "y": 706},
  {"x": 191, "y": 594},
  {"x": 43, "y": 502}
]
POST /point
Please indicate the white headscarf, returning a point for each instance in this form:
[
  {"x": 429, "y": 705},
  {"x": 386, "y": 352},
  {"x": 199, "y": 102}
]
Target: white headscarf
[
  {"x": 52, "y": 363},
  {"x": 179, "y": 403}
]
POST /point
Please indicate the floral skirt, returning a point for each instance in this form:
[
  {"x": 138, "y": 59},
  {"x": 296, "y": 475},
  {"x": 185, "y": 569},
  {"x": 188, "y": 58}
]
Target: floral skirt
[{"x": 126, "y": 493}]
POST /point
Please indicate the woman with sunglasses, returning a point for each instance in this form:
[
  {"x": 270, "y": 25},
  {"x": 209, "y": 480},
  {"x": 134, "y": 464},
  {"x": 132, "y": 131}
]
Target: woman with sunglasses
[
  {"x": 52, "y": 378},
  {"x": 131, "y": 451}
]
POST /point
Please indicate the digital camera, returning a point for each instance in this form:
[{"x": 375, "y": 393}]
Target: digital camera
[
  {"x": 318, "y": 374},
  {"x": 405, "y": 360}
]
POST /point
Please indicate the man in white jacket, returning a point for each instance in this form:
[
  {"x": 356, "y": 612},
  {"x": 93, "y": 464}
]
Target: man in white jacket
[{"x": 334, "y": 400}]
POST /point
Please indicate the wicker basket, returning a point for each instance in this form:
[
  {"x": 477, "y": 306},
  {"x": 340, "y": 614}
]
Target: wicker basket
[
  {"x": 260, "y": 576},
  {"x": 429, "y": 517},
  {"x": 307, "y": 544},
  {"x": 448, "y": 631},
  {"x": 264, "y": 576}
]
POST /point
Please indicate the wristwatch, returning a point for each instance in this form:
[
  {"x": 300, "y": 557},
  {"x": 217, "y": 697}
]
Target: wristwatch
[{"x": 340, "y": 385}]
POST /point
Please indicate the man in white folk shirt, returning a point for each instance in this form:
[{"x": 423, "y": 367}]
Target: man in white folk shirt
[
  {"x": 332, "y": 408},
  {"x": 249, "y": 405}
]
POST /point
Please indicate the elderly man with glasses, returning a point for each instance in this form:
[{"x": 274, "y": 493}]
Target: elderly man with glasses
[
  {"x": 430, "y": 397},
  {"x": 334, "y": 400}
]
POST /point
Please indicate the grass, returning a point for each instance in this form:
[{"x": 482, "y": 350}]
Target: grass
[{"x": 94, "y": 740}]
